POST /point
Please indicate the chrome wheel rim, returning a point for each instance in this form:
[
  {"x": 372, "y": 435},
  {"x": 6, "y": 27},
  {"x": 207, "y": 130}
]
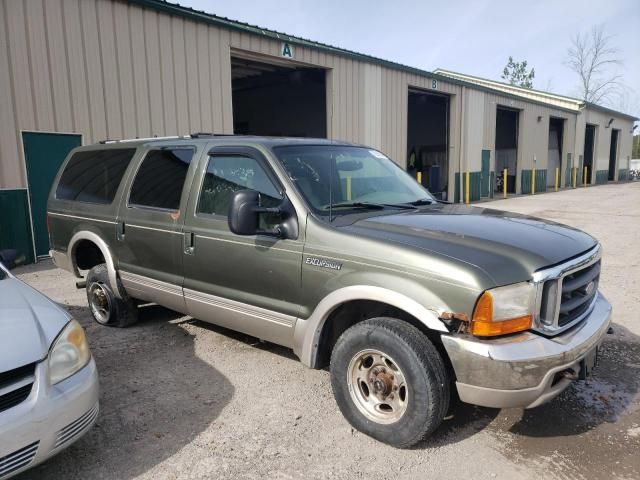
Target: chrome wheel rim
[
  {"x": 100, "y": 303},
  {"x": 377, "y": 386}
]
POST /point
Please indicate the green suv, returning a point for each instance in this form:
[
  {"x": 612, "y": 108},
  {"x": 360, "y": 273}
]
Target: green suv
[{"x": 331, "y": 249}]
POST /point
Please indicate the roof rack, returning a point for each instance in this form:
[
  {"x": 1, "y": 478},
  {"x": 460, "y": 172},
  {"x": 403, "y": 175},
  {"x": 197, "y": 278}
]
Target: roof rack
[{"x": 137, "y": 139}]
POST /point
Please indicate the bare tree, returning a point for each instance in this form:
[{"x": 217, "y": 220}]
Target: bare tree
[{"x": 594, "y": 59}]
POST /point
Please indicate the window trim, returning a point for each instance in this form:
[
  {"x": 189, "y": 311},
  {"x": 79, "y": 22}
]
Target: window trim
[
  {"x": 235, "y": 151},
  {"x": 122, "y": 179},
  {"x": 136, "y": 206}
]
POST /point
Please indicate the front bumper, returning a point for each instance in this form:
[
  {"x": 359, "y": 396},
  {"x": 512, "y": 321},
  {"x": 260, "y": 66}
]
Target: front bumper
[
  {"x": 49, "y": 420},
  {"x": 524, "y": 370}
]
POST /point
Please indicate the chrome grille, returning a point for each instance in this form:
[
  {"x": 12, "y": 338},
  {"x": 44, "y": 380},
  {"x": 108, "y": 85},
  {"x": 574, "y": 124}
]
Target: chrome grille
[
  {"x": 578, "y": 291},
  {"x": 18, "y": 459},
  {"x": 71, "y": 431},
  {"x": 567, "y": 292},
  {"x": 15, "y": 386}
]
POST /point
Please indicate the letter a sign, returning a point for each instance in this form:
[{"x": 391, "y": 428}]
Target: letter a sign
[{"x": 286, "y": 51}]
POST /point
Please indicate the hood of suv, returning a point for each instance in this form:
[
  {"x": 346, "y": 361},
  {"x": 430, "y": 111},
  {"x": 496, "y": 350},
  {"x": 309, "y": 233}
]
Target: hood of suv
[
  {"x": 508, "y": 247},
  {"x": 29, "y": 323}
]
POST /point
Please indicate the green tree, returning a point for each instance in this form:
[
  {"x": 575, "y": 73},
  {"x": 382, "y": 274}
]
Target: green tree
[
  {"x": 636, "y": 147},
  {"x": 516, "y": 73}
]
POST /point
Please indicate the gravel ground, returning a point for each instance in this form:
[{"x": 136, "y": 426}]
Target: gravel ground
[{"x": 184, "y": 399}]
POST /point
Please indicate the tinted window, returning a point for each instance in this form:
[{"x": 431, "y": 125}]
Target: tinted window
[
  {"x": 94, "y": 176},
  {"x": 226, "y": 175},
  {"x": 160, "y": 178}
]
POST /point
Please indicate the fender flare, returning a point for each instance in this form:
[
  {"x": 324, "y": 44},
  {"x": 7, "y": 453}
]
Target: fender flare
[
  {"x": 306, "y": 336},
  {"x": 106, "y": 253}
]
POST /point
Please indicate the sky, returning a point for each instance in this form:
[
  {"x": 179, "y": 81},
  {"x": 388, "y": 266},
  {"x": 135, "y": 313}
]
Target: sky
[{"x": 468, "y": 36}]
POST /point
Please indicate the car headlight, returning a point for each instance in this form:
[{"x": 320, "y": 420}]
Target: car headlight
[
  {"x": 69, "y": 353},
  {"x": 504, "y": 310}
]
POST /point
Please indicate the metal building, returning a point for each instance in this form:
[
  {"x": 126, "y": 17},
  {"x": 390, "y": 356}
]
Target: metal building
[{"x": 80, "y": 71}]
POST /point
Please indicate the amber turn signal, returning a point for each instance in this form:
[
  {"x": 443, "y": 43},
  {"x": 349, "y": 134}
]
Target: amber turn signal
[{"x": 483, "y": 324}]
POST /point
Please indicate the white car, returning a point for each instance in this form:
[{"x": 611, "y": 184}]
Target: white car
[{"x": 48, "y": 378}]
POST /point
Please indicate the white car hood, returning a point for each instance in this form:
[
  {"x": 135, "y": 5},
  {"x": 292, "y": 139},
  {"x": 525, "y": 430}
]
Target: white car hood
[{"x": 29, "y": 323}]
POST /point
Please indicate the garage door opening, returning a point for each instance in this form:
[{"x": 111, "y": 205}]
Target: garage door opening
[
  {"x": 613, "y": 155},
  {"x": 506, "y": 148},
  {"x": 278, "y": 100},
  {"x": 589, "y": 147},
  {"x": 428, "y": 140},
  {"x": 556, "y": 129}
]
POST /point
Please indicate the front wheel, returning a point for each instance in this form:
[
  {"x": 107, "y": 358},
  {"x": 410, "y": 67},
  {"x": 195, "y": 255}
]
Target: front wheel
[{"x": 389, "y": 381}]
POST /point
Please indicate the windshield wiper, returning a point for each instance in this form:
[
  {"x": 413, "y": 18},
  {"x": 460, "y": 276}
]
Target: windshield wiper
[
  {"x": 368, "y": 206},
  {"x": 372, "y": 206},
  {"x": 422, "y": 201}
]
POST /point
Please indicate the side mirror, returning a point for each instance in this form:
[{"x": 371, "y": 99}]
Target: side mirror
[
  {"x": 244, "y": 215},
  {"x": 245, "y": 211}
]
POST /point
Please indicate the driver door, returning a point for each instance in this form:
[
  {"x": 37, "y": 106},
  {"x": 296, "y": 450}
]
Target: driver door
[{"x": 246, "y": 283}]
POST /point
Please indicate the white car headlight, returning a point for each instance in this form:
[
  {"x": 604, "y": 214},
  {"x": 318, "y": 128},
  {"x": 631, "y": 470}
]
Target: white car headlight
[
  {"x": 69, "y": 353},
  {"x": 504, "y": 310}
]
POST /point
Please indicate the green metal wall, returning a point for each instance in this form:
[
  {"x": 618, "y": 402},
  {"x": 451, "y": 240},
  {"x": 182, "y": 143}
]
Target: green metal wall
[
  {"x": 456, "y": 190},
  {"x": 623, "y": 174},
  {"x": 44, "y": 153},
  {"x": 541, "y": 181},
  {"x": 15, "y": 226},
  {"x": 567, "y": 176},
  {"x": 525, "y": 182},
  {"x": 474, "y": 186},
  {"x": 602, "y": 177},
  {"x": 485, "y": 176}
]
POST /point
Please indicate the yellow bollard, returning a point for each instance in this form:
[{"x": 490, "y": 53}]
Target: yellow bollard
[
  {"x": 533, "y": 181},
  {"x": 466, "y": 189},
  {"x": 419, "y": 178},
  {"x": 575, "y": 172},
  {"x": 348, "y": 188},
  {"x": 504, "y": 183},
  {"x": 584, "y": 177},
  {"x": 557, "y": 178}
]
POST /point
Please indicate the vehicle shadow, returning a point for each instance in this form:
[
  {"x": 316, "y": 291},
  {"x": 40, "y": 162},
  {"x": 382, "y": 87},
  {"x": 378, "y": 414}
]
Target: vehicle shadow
[
  {"x": 462, "y": 421},
  {"x": 247, "y": 339},
  {"x": 602, "y": 398},
  {"x": 156, "y": 397}
]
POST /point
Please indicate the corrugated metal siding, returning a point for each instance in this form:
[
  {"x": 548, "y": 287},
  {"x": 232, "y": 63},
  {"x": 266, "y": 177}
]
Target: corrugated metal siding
[
  {"x": 533, "y": 135},
  {"x": 109, "y": 69},
  {"x": 603, "y": 138},
  {"x": 536, "y": 95}
]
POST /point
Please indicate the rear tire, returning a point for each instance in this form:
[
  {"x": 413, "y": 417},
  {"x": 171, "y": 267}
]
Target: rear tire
[
  {"x": 106, "y": 308},
  {"x": 389, "y": 381}
]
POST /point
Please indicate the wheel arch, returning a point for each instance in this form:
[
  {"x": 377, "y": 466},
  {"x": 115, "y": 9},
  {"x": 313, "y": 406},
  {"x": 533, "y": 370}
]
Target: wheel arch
[
  {"x": 94, "y": 238},
  {"x": 308, "y": 334}
]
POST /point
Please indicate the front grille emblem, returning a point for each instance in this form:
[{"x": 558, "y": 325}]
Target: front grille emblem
[{"x": 590, "y": 288}]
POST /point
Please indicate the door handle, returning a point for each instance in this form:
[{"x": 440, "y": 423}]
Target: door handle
[
  {"x": 120, "y": 230},
  {"x": 189, "y": 243}
]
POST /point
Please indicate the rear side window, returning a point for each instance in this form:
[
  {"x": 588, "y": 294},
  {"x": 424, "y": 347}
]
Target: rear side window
[
  {"x": 94, "y": 176},
  {"x": 160, "y": 178}
]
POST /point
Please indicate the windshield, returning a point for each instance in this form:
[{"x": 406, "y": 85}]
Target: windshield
[{"x": 336, "y": 179}]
